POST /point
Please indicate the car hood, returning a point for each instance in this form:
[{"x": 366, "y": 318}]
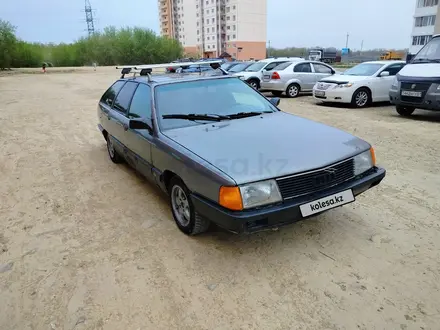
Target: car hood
[
  {"x": 341, "y": 78},
  {"x": 267, "y": 146}
]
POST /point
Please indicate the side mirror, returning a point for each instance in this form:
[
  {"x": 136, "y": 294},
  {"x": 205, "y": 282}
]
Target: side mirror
[
  {"x": 275, "y": 101},
  {"x": 139, "y": 124},
  {"x": 384, "y": 74},
  {"x": 333, "y": 71}
]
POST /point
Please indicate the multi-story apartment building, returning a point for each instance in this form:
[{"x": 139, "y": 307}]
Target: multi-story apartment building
[
  {"x": 426, "y": 23},
  {"x": 211, "y": 27}
]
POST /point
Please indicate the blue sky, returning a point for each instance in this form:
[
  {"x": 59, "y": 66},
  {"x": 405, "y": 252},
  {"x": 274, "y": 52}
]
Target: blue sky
[{"x": 379, "y": 23}]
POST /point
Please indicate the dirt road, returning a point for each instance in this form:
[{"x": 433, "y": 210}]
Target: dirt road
[{"x": 87, "y": 244}]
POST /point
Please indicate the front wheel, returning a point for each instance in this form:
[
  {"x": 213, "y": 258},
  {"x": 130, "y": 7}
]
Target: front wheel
[
  {"x": 404, "y": 111},
  {"x": 187, "y": 219},
  {"x": 293, "y": 90},
  {"x": 361, "y": 98}
]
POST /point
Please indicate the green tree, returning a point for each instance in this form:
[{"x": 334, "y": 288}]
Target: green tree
[{"x": 7, "y": 44}]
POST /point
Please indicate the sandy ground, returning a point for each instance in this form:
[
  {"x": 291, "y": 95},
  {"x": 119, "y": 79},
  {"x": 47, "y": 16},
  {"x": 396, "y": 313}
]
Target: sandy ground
[{"x": 87, "y": 244}]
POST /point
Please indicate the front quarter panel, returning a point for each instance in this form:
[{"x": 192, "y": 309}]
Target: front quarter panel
[{"x": 198, "y": 175}]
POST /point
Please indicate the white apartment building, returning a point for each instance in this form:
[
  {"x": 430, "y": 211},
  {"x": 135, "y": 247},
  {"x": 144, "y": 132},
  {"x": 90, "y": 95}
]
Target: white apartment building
[
  {"x": 211, "y": 27},
  {"x": 426, "y": 23}
]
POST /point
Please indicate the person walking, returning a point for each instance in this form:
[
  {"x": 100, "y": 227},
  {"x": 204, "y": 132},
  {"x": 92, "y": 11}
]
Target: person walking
[{"x": 44, "y": 67}]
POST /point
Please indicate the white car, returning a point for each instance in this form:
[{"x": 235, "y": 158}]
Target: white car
[
  {"x": 361, "y": 85},
  {"x": 253, "y": 74}
]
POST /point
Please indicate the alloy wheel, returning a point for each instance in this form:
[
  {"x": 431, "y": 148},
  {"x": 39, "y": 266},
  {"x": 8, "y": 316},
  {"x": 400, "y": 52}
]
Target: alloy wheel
[
  {"x": 180, "y": 205},
  {"x": 361, "y": 98}
]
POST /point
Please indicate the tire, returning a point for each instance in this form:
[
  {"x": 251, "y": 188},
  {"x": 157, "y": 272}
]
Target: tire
[
  {"x": 254, "y": 83},
  {"x": 187, "y": 220},
  {"x": 112, "y": 153},
  {"x": 361, "y": 98},
  {"x": 276, "y": 93},
  {"x": 293, "y": 90},
  {"x": 404, "y": 111}
]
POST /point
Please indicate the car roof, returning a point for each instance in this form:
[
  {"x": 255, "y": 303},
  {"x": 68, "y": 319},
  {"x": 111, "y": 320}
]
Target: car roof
[{"x": 167, "y": 78}]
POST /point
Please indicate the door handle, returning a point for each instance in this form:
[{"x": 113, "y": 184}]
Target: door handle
[{"x": 125, "y": 126}]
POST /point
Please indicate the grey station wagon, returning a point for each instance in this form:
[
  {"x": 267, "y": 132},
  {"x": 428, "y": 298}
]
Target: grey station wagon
[{"x": 226, "y": 154}]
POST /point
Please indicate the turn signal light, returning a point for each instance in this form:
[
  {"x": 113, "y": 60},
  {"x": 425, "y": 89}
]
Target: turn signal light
[
  {"x": 230, "y": 198},
  {"x": 373, "y": 156},
  {"x": 275, "y": 75}
]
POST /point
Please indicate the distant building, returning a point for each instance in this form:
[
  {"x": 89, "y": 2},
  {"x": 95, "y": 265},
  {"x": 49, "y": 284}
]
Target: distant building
[
  {"x": 211, "y": 27},
  {"x": 426, "y": 23}
]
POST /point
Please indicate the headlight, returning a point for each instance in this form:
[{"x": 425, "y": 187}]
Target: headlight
[
  {"x": 345, "y": 85},
  {"x": 395, "y": 84},
  {"x": 260, "y": 193},
  {"x": 364, "y": 161}
]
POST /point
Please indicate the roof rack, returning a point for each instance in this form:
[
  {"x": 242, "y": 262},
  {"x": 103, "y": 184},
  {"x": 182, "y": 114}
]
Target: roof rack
[{"x": 147, "y": 69}]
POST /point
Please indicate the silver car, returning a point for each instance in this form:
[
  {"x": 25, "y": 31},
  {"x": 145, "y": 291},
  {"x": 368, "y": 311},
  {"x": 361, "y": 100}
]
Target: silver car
[
  {"x": 225, "y": 154},
  {"x": 295, "y": 77}
]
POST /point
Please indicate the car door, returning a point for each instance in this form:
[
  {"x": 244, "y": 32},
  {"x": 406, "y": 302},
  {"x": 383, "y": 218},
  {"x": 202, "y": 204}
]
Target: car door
[
  {"x": 382, "y": 85},
  {"x": 140, "y": 140},
  {"x": 117, "y": 119},
  {"x": 106, "y": 104},
  {"x": 322, "y": 71},
  {"x": 303, "y": 72}
]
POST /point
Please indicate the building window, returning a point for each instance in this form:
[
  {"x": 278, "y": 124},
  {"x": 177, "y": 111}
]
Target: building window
[
  {"x": 207, "y": 38},
  {"x": 228, "y": 9},
  {"x": 233, "y": 18},
  {"x": 421, "y": 40},
  {"x": 233, "y": 27},
  {"x": 229, "y": 37},
  {"x": 198, "y": 32},
  {"x": 427, "y": 3},
  {"x": 209, "y": 46},
  {"x": 233, "y": 7},
  {"x": 233, "y": 36},
  {"x": 207, "y": 30},
  {"x": 228, "y": 18},
  {"x": 212, "y": 10},
  {"x": 212, "y": 20},
  {"x": 228, "y": 27},
  {"x": 207, "y": 21},
  {"x": 425, "y": 20}
]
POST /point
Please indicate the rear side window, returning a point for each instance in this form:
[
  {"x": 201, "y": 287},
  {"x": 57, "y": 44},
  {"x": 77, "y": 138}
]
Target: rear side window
[
  {"x": 110, "y": 95},
  {"x": 141, "y": 104},
  {"x": 303, "y": 67},
  {"x": 124, "y": 97}
]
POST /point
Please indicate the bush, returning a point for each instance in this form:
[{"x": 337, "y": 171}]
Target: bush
[{"x": 111, "y": 47}]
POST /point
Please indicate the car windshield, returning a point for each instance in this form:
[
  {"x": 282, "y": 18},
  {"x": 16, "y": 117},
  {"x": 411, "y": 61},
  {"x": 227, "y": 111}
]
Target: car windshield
[
  {"x": 429, "y": 53},
  {"x": 364, "y": 69},
  {"x": 239, "y": 67},
  {"x": 220, "y": 97},
  {"x": 314, "y": 53},
  {"x": 256, "y": 67}
]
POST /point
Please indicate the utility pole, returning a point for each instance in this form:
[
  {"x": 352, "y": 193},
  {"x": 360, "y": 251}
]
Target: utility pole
[
  {"x": 362, "y": 45},
  {"x": 268, "y": 49},
  {"x": 346, "y": 42}
]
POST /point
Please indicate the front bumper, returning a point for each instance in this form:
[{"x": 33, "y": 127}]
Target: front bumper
[
  {"x": 429, "y": 101},
  {"x": 338, "y": 95},
  {"x": 281, "y": 214},
  {"x": 272, "y": 86}
]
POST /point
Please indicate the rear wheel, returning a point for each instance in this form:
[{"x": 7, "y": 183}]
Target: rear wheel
[
  {"x": 187, "y": 219},
  {"x": 112, "y": 153},
  {"x": 276, "y": 93},
  {"x": 293, "y": 90},
  {"x": 254, "y": 83},
  {"x": 361, "y": 98},
  {"x": 404, "y": 111}
]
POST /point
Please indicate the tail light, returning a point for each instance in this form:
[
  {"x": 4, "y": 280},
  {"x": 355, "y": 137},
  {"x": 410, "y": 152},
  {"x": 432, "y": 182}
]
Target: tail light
[{"x": 275, "y": 75}]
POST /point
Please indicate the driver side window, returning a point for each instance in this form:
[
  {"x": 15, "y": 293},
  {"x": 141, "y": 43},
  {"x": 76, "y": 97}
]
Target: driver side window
[{"x": 394, "y": 69}]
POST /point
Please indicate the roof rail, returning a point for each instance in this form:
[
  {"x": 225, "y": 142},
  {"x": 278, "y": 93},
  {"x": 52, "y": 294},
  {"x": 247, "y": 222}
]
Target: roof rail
[{"x": 146, "y": 69}]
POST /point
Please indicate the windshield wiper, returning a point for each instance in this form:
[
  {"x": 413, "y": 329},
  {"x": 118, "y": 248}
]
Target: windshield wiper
[
  {"x": 426, "y": 60},
  {"x": 246, "y": 114},
  {"x": 193, "y": 116}
]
